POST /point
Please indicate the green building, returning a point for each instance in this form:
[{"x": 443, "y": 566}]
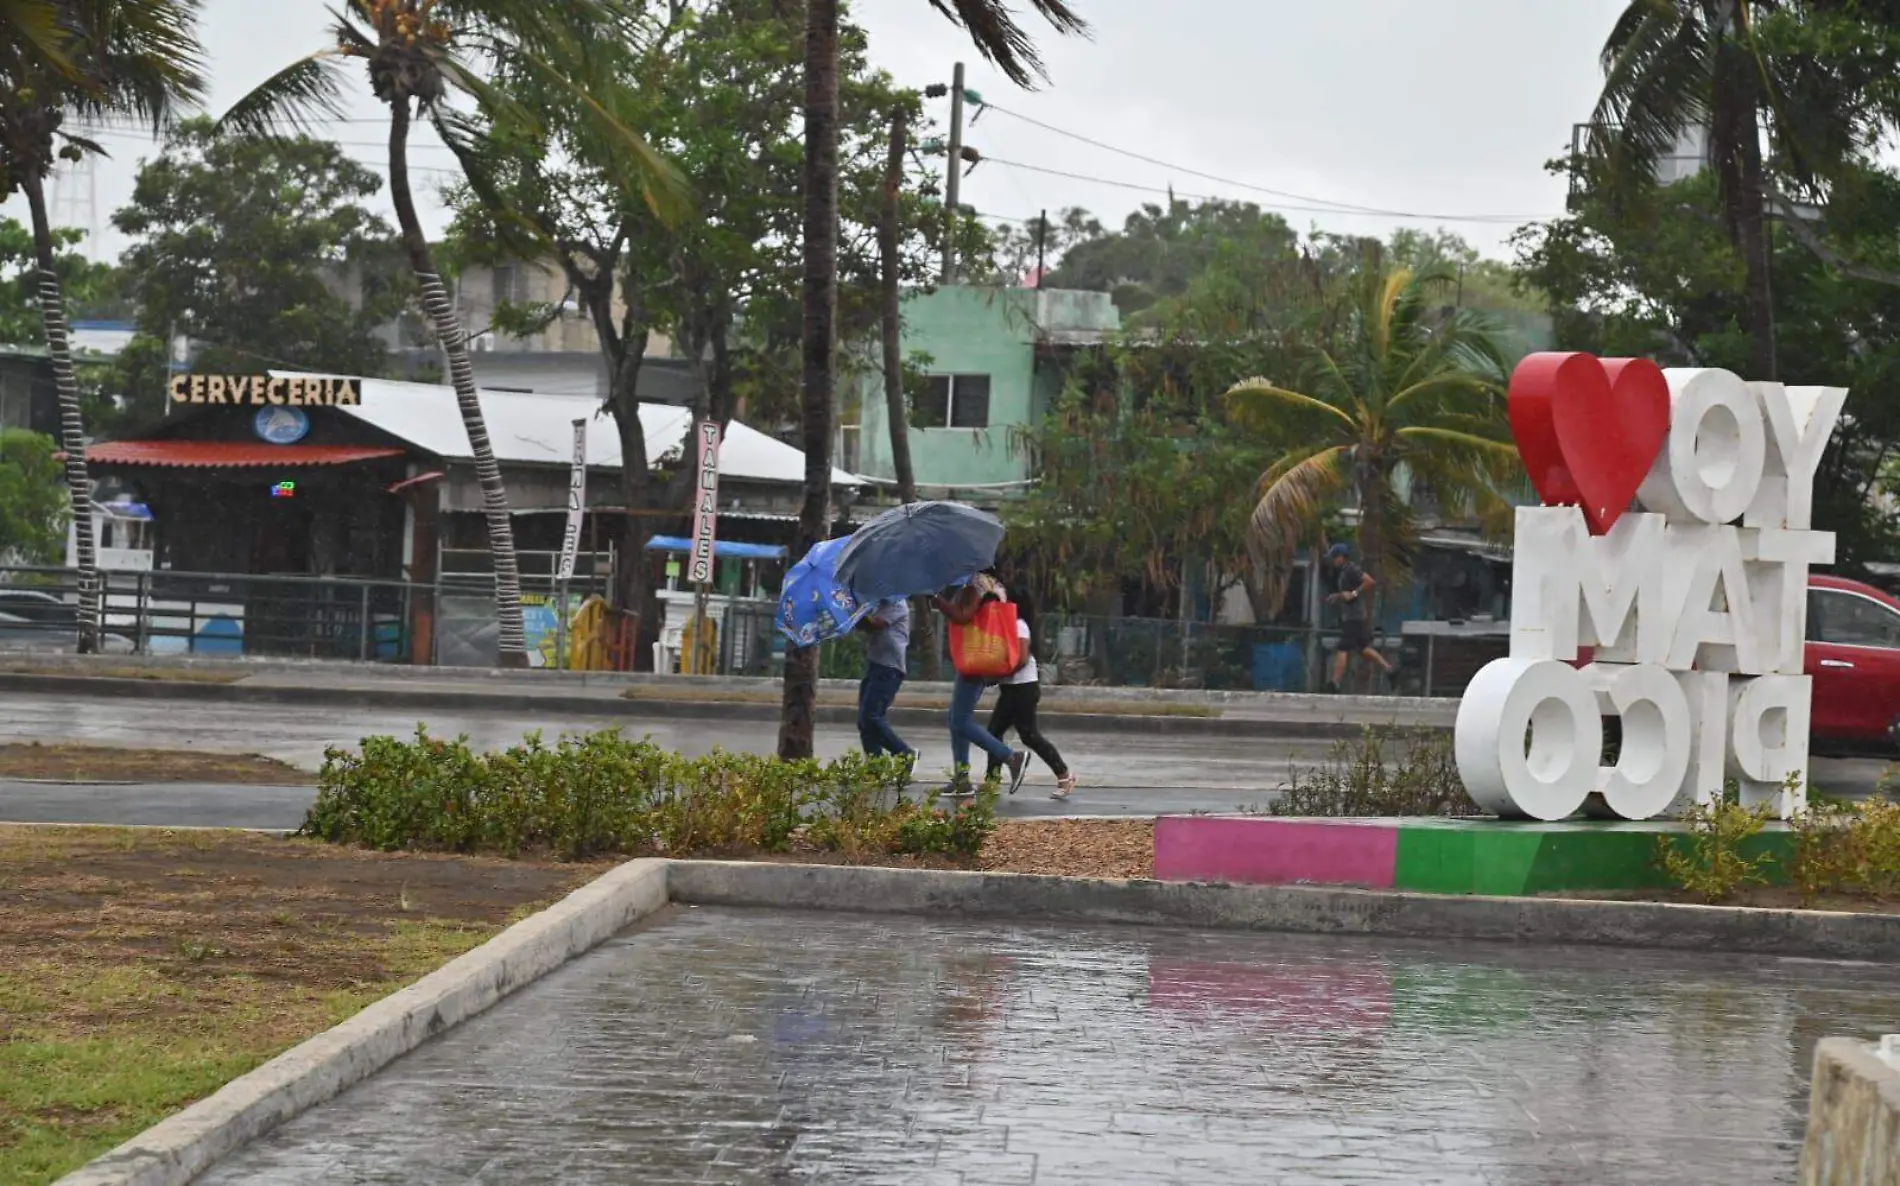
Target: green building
[{"x": 997, "y": 357}]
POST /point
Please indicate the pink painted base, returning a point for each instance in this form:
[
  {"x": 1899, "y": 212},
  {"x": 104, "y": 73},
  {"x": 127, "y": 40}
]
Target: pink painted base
[{"x": 1274, "y": 851}]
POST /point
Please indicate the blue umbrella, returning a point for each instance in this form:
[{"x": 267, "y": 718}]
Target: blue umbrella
[
  {"x": 919, "y": 548},
  {"x": 813, "y": 606}
]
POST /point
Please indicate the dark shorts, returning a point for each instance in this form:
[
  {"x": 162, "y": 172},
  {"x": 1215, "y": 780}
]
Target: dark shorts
[{"x": 1354, "y": 636}]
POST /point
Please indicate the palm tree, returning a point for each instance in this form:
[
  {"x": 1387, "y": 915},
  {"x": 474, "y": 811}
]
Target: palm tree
[
  {"x": 417, "y": 54},
  {"x": 992, "y": 27},
  {"x": 1413, "y": 391},
  {"x": 77, "y": 62},
  {"x": 1671, "y": 66}
]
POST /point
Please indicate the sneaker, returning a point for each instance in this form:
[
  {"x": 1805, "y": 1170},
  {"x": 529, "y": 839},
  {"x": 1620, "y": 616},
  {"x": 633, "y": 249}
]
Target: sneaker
[
  {"x": 1018, "y": 767},
  {"x": 1065, "y": 786}
]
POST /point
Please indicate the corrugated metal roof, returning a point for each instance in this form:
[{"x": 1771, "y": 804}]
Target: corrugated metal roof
[
  {"x": 536, "y": 427},
  {"x": 230, "y": 454}
]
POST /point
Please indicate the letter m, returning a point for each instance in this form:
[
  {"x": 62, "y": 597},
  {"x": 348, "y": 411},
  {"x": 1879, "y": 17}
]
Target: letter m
[{"x": 1570, "y": 588}]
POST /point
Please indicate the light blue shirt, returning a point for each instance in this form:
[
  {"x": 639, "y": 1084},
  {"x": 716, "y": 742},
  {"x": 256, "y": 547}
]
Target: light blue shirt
[{"x": 890, "y": 646}]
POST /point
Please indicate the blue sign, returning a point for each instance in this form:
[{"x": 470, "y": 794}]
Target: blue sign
[{"x": 282, "y": 426}]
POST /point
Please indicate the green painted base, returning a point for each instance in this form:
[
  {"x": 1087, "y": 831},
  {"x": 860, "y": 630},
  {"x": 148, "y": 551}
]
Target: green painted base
[{"x": 1515, "y": 858}]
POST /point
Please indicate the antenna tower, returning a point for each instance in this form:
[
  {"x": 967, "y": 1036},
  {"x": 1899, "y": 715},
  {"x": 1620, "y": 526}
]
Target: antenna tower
[{"x": 74, "y": 202}]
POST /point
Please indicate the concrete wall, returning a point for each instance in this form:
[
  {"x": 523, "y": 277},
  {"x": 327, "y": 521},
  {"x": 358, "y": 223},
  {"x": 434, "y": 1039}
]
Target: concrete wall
[
  {"x": 1853, "y": 1118},
  {"x": 980, "y": 331}
]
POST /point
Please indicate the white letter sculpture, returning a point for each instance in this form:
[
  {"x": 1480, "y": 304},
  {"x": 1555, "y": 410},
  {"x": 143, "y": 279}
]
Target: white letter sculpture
[{"x": 1697, "y": 622}]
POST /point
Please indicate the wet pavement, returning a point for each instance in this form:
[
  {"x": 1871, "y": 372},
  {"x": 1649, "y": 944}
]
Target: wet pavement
[
  {"x": 1126, "y": 774},
  {"x": 725, "y": 1046},
  {"x": 1136, "y": 774}
]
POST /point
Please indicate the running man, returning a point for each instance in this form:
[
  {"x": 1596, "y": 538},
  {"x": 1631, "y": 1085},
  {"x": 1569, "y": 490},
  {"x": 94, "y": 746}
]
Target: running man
[{"x": 1352, "y": 589}]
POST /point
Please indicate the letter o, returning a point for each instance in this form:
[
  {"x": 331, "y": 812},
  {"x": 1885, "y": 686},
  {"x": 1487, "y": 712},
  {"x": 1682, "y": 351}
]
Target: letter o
[
  {"x": 1657, "y": 731},
  {"x": 1551, "y": 777},
  {"x": 1712, "y": 464}
]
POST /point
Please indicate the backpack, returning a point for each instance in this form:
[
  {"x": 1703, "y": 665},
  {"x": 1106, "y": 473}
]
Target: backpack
[{"x": 989, "y": 647}]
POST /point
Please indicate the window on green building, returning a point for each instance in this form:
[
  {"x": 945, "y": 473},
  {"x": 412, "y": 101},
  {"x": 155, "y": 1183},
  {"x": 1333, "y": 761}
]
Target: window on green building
[{"x": 953, "y": 401}]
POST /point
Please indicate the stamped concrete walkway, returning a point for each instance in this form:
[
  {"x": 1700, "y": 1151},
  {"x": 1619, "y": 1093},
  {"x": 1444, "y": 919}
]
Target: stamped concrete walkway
[{"x": 723, "y": 1046}]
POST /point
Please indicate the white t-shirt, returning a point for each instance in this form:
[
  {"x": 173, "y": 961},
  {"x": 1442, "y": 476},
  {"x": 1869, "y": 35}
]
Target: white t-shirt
[{"x": 1028, "y": 674}]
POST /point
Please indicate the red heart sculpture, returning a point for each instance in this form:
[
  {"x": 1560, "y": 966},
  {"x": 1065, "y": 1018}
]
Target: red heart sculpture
[{"x": 1588, "y": 429}]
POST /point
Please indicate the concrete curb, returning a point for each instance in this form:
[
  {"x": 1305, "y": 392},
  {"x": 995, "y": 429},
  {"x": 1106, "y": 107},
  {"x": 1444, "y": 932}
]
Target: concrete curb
[
  {"x": 524, "y": 682},
  {"x": 180, "y": 1148},
  {"x": 501, "y": 700},
  {"x": 1305, "y": 909},
  {"x": 1853, "y": 1136}
]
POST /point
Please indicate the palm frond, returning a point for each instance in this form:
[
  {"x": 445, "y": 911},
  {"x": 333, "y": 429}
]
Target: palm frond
[
  {"x": 1251, "y": 397},
  {"x": 1657, "y": 66},
  {"x": 648, "y": 173},
  {"x": 1293, "y": 498},
  {"x": 992, "y": 27},
  {"x": 1503, "y": 451},
  {"x": 1380, "y": 314},
  {"x": 35, "y": 25},
  {"x": 1443, "y": 382},
  {"x": 295, "y": 98}
]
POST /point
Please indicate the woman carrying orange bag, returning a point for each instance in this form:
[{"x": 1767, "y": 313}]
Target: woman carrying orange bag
[{"x": 963, "y": 609}]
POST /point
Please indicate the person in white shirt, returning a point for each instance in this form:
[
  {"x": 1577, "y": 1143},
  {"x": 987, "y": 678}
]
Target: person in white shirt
[{"x": 1016, "y": 701}]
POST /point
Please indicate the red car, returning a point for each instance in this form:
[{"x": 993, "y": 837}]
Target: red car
[{"x": 1854, "y": 657}]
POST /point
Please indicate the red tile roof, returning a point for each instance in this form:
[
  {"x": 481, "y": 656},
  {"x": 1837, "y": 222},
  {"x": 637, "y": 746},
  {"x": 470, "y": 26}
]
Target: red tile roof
[{"x": 231, "y": 454}]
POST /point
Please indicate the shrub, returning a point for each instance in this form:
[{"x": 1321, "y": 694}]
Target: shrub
[
  {"x": 957, "y": 832},
  {"x": 1709, "y": 860},
  {"x": 1384, "y": 772},
  {"x": 1822, "y": 858},
  {"x": 602, "y": 794}
]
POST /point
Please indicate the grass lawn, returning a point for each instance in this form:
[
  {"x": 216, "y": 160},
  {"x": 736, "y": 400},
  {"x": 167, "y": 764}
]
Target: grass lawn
[
  {"x": 106, "y": 763},
  {"x": 142, "y": 970}
]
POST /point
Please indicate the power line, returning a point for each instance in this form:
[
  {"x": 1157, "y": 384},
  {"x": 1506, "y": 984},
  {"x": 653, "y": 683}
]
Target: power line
[
  {"x": 1506, "y": 219},
  {"x": 1327, "y": 205}
]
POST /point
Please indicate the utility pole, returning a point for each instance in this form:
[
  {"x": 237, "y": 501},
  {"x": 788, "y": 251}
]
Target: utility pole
[
  {"x": 1042, "y": 236},
  {"x": 953, "y": 178}
]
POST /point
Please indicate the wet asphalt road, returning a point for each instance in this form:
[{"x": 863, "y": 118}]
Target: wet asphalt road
[
  {"x": 1132, "y": 774},
  {"x": 1120, "y": 775}
]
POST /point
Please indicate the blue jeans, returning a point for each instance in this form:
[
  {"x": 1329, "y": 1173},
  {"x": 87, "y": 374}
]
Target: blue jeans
[
  {"x": 964, "y": 729},
  {"x": 875, "y": 696}
]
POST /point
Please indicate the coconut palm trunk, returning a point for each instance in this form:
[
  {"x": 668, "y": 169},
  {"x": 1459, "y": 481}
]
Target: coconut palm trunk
[
  {"x": 72, "y": 435},
  {"x": 435, "y": 302},
  {"x": 821, "y": 307},
  {"x": 1735, "y": 133}
]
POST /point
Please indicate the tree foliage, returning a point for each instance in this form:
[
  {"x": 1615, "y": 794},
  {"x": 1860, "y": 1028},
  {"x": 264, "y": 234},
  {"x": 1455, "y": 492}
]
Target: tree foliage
[
  {"x": 33, "y": 502},
  {"x": 91, "y": 288},
  {"x": 1407, "y": 400},
  {"x": 1659, "y": 278},
  {"x": 260, "y": 251},
  {"x": 714, "y": 85}
]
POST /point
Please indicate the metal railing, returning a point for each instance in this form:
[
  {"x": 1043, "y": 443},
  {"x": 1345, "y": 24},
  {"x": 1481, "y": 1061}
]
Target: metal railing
[
  {"x": 218, "y": 614},
  {"x": 213, "y": 614}
]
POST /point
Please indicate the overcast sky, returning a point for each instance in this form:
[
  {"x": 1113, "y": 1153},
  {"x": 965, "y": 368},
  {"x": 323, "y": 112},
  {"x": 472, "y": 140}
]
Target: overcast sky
[{"x": 1433, "y": 114}]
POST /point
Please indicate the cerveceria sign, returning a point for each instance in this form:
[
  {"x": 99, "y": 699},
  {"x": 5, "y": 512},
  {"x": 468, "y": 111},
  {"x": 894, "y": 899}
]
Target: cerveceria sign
[{"x": 261, "y": 390}]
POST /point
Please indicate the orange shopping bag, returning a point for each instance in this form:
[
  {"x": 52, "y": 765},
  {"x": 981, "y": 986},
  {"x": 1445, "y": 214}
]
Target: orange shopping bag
[{"x": 988, "y": 647}]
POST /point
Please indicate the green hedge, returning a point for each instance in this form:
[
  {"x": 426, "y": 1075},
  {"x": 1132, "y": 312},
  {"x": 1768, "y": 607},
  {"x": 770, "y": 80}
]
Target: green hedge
[{"x": 601, "y": 794}]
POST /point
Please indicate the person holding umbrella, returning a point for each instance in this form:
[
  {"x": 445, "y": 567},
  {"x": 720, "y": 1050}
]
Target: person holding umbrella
[
  {"x": 961, "y": 608},
  {"x": 887, "y": 660}
]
